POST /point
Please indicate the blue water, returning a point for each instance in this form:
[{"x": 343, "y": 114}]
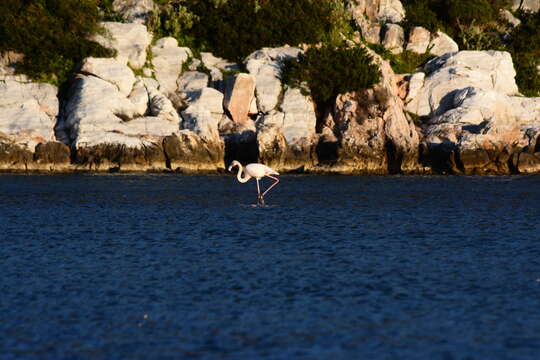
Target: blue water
[{"x": 185, "y": 267}]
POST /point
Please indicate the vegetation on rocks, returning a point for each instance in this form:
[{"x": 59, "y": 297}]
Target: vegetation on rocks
[
  {"x": 53, "y": 35},
  {"x": 405, "y": 62},
  {"x": 330, "y": 70},
  {"x": 233, "y": 29},
  {"x": 476, "y": 25}
]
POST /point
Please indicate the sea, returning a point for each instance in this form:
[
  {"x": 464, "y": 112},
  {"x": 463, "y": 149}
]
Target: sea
[{"x": 170, "y": 266}]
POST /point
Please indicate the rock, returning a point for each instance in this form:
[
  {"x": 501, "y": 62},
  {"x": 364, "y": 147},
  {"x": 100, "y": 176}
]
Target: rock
[
  {"x": 52, "y": 156},
  {"x": 167, "y": 60},
  {"x": 8, "y": 61},
  {"x": 134, "y": 11},
  {"x": 192, "y": 80},
  {"x": 110, "y": 70},
  {"x": 455, "y": 71},
  {"x": 28, "y": 112},
  {"x": 374, "y": 134},
  {"x": 527, "y": 5},
  {"x": 265, "y": 66},
  {"x": 106, "y": 129},
  {"x": 139, "y": 97},
  {"x": 485, "y": 132},
  {"x": 441, "y": 44},
  {"x": 185, "y": 151},
  {"x": 161, "y": 107},
  {"x": 419, "y": 39},
  {"x": 381, "y": 11},
  {"x": 118, "y": 157},
  {"x": 204, "y": 113},
  {"x": 211, "y": 61},
  {"x": 129, "y": 40},
  {"x": 239, "y": 94},
  {"x": 416, "y": 82},
  {"x": 509, "y": 18},
  {"x": 267, "y": 87},
  {"x": 393, "y": 38},
  {"x": 286, "y": 138}
]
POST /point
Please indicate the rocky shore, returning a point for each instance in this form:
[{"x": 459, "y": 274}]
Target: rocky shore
[{"x": 157, "y": 107}]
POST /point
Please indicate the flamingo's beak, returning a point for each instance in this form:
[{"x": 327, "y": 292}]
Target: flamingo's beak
[{"x": 229, "y": 168}]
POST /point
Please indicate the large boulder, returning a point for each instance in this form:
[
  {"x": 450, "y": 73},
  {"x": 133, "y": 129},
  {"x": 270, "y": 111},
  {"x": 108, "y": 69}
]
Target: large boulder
[
  {"x": 108, "y": 129},
  {"x": 110, "y": 70},
  {"x": 167, "y": 59},
  {"x": 239, "y": 95},
  {"x": 455, "y": 71},
  {"x": 129, "y": 40},
  {"x": 485, "y": 132}
]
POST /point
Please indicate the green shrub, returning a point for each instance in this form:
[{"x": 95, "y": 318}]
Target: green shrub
[
  {"x": 404, "y": 63},
  {"x": 52, "y": 34},
  {"x": 331, "y": 70},
  {"x": 234, "y": 28},
  {"x": 451, "y": 15},
  {"x": 524, "y": 44}
]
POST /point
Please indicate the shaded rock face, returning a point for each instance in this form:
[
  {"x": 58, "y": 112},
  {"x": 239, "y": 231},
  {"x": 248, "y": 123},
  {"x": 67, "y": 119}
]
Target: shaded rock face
[{"x": 187, "y": 152}]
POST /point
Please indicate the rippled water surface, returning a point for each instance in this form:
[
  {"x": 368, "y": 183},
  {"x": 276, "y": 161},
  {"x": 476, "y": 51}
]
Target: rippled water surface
[{"x": 185, "y": 267}]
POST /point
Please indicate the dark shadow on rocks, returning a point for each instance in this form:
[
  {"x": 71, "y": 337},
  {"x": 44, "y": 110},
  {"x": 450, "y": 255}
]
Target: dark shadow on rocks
[{"x": 242, "y": 147}]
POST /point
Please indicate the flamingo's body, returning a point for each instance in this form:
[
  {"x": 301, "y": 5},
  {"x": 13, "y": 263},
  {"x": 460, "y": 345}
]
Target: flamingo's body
[{"x": 257, "y": 171}]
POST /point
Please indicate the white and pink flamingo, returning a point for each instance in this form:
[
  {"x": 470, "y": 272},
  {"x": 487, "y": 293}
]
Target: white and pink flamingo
[{"x": 257, "y": 171}]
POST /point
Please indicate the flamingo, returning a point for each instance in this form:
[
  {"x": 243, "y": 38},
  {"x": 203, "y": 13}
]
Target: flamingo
[{"x": 257, "y": 171}]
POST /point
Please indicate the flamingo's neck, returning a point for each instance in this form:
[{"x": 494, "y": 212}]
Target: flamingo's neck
[{"x": 241, "y": 175}]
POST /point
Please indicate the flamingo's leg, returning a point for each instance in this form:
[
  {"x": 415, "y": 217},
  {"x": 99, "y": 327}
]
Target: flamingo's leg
[
  {"x": 260, "y": 200},
  {"x": 271, "y": 186}
]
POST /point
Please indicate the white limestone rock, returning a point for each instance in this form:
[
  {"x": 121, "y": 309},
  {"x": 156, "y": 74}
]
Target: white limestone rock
[
  {"x": 455, "y": 71},
  {"x": 419, "y": 39},
  {"x": 265, "y": 65},
  {"x": 110, "y": 70},
  {"x": 167, "y": 59},
  {"x": 129, "y": 40},
  {"x": 299, "y": 118},
  {"x": 204, "y": 113},
  {"x": 28, "y": 112},
  {"x": 441, "y": 44},
  {"x": 192, "y": 80}
]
